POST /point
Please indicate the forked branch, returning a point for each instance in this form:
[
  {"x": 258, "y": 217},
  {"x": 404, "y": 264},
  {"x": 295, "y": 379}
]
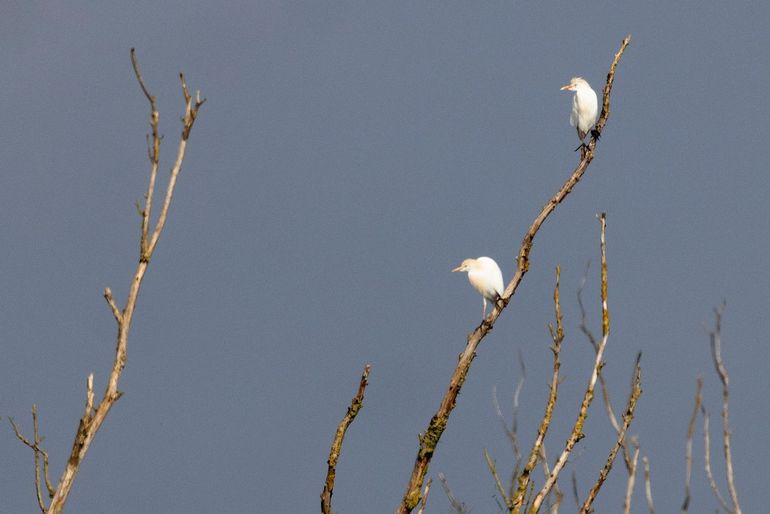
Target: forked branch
[
  {"x": 94, "y": 415},
  {"x": 430, "y": 438}
]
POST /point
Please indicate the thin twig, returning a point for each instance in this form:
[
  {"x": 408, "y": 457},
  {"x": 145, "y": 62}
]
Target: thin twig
[
  {"x": 334, "y": 454},
  {"x": 458, "y": 507},
  {"x": 430, "y": 438},
  {"x": 425, "y": 493},
  {"x": 628, "y": 416},
  {"x": 688, "y": 452},
  {"x": 153, "y": 153},
  {"x": 648, "y": 485},
  {"x": 707, "y": 460},
  {"x": 577, "y": 430},
  {"x": 38, "y": 453},
  {"x": 512, "y": 432},
  {"x": 575, "y": 494},
  {"x": 498, "y": 483},
  {"x": 631, "y": 478},
  {"x": 111, "y": 302},
  {"x": 556, "y": 492},
  {"x": 557, "y": 336},
  {"x": 716, "y": 352}
]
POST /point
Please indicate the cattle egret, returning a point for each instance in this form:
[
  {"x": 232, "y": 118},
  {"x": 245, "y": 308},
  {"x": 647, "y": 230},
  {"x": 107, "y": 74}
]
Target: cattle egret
[
  {"x": 585, "y": 106},
  {"x": 485, "y": 276}
]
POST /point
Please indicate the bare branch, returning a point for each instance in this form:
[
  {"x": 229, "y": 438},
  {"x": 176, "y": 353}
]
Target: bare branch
[
  {"x": 334, "y": 454},
  {"x": 430, "y": 438},
  {"x": 577, "y": 430},
  {"x": 648, "y": 485},
  {"x": 636, "y": 391},
  {"x": 716, "y": 352},
  {"x": 707, "y": 460},
  {"x": 557, "y": 336},
  {"x": 94, "y": 417},
  {"x": 688, "y": 454}
]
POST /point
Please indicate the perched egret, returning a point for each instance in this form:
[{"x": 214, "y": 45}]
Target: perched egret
[
  {"x": 485, "y": 276},
  {"x": 585, "y": 106}
]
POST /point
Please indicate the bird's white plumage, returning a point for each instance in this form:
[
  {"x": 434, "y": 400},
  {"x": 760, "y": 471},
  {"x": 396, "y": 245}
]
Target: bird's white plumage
[
  {"x": 585, "y": 106},
  {"x": 485, "y": 276}
]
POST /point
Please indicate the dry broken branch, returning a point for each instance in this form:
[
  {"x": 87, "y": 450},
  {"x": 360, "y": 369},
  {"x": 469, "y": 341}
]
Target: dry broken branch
[
  {"x": 334, "y": 454},
  {"x": 430, "y": 438}
]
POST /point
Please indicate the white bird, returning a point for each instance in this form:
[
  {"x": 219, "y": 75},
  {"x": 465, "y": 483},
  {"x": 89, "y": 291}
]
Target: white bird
[
  {"x": 485, "y": 276},
  {"x": 585, "y": 106}
]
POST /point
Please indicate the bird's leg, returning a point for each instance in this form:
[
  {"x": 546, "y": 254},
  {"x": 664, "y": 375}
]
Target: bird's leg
[
  {"x": 484, "y": 312},
  {"x": 595, "y": 134},
  {"x": 582, "y": 145}
]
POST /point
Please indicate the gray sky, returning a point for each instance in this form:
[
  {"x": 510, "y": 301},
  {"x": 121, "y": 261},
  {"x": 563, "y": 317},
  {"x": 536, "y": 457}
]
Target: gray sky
[{"x": 349, "y": 155}]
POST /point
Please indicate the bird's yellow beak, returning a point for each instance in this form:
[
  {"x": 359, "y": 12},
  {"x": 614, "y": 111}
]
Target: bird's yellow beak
[
  {"x": 568, "y": 87},
  {"x": 458, "y": 268}
]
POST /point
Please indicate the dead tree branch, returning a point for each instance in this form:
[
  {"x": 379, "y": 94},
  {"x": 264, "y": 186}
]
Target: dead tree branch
[
  {"x": 716, "y": 353},
  {"x": 93, "y": 417},
  {"x": 688, "y": 451},
  {"x": 334, "y": 454},
  {"x": 430, "y": 438}
]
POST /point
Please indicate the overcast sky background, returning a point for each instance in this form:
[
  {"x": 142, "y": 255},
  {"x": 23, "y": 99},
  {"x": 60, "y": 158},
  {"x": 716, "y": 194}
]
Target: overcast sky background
[{"x": 349, "y": 155}]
